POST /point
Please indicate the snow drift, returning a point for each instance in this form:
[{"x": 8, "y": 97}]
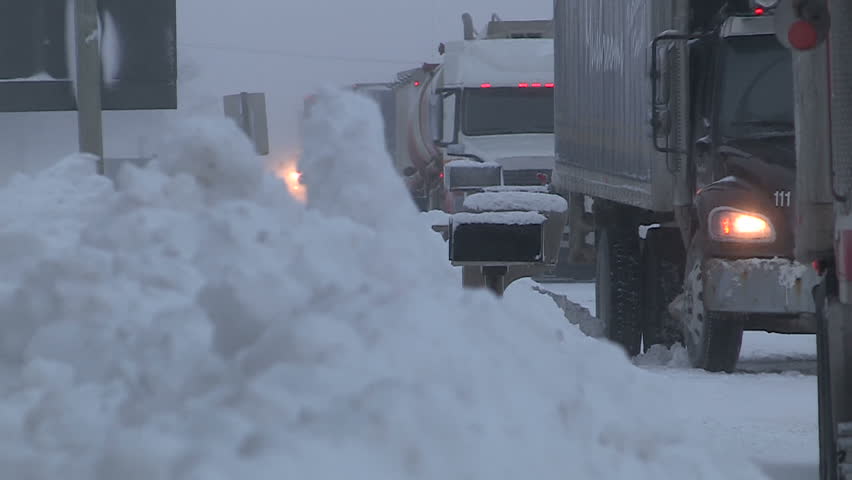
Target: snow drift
[{"x": 199, "y": 323}]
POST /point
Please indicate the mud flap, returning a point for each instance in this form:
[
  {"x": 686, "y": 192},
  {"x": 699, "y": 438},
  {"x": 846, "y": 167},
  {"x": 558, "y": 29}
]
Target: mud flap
[{"x": 496, "y": 238}]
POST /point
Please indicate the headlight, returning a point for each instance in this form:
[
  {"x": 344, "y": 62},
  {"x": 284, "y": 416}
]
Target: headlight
[{"x": 731, "y": 225}]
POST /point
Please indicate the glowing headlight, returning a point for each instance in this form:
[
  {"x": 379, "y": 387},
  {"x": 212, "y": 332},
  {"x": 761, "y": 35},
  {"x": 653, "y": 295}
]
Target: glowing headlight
[{"x": 731, "y": 225}]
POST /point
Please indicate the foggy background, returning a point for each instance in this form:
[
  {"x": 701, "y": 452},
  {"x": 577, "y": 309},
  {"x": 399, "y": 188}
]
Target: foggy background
[{"x": 285, "y": 48}]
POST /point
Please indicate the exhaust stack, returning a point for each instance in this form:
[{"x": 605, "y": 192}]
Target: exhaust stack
[{"x": 469, "y": 31}]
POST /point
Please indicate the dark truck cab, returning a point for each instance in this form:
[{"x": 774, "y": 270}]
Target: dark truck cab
[
  {"x": 743, "y": 135},
  {"x": 694, "y": 209},
  {"x": 744, "y": 157}
]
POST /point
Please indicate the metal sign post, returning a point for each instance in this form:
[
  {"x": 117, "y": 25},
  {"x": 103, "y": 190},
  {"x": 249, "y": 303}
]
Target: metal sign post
[
  {"x": 248, "y": 110},
  {"x": 88, "y": 81}
]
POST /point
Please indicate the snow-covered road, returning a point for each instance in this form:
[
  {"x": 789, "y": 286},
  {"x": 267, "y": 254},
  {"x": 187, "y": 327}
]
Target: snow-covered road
[{"x": 767, "y": 409}]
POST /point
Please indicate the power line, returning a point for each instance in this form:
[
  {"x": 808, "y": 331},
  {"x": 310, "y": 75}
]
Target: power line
[{"x": 282, "y": 53}]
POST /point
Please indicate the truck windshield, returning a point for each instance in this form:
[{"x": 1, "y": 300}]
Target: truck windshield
[
  {"x": 501, "y": 111},
  {"x": 756, "y": 88}
]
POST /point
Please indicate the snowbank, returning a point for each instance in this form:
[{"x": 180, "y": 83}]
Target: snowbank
[
  {"x": 575, "y": 313},
  {"x": 201, "y": 324}
]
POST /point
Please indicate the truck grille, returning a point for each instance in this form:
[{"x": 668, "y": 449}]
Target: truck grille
[{"x": 524, "y": 177}]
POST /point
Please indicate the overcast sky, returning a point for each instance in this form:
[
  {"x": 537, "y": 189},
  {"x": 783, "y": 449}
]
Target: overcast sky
[
  {"x": 285, "y": 48},
  {"x": 350, "y": 40}
]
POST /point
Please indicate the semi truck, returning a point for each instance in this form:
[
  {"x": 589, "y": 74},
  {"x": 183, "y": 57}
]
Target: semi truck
[
  {"x": 489, "y": 100},
  {"x": 676, "y": 118}
]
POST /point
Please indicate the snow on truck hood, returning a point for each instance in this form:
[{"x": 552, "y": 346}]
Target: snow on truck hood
[
  {"x": 197, "y": 322},
  {"x": 514, "y": 152}
]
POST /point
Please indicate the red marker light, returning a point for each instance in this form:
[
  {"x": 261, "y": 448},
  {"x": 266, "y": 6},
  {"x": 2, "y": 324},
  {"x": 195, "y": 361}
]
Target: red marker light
[
  {"x": 759, "y": 11},
  {"x": 802, "y": 35},
  {"x": 441, "y": 174},
  {"x": 523, "y": 85},
  {"x": 485, "y": 85},
  {"x": 536, "y": 85},
  {"x": 549, "y": 85},
  {"x": 416, "y": 84}
]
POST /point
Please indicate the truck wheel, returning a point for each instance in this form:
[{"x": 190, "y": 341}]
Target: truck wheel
[
  {"x": 617, "y": 283},
  {"x": 713, "y": 339},
  {"x": 663, "y": 261}
]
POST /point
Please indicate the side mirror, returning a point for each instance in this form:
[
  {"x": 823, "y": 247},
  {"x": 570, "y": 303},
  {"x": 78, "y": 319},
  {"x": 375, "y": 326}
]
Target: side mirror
[
  {"x": 660, "y": 121},
  {"x": 445, "y": 117},
  {"x": 436, "y": 117},
  {"x": 449, "y": 133}
]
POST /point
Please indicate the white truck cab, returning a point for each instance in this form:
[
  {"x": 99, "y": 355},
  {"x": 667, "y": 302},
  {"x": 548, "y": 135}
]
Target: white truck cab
[{"x": 494, "y": 99}]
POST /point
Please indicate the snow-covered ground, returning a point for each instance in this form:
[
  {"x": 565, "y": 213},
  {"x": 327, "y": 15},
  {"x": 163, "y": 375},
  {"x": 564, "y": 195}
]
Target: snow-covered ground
[{"x": 767, "y": 409}]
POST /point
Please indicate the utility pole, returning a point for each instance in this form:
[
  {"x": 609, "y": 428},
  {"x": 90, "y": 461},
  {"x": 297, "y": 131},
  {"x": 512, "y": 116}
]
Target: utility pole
[{"x": 88, "y": 94}]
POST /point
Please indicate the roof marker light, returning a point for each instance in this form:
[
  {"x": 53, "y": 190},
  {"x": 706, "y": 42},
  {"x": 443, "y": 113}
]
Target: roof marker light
[
  {"x": 549, "y": 85},
  {"x": 536, "y": 85},
  {"x": 485, "y": 85},
  {"x": 759, "y": 11},
  {"x": 523, "y": 85},
  {"x": 416, "y": 84}
]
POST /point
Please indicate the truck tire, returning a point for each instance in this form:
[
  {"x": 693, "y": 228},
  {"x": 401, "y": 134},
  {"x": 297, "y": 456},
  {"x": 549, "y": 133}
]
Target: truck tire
[
  {"x": 617, "y": 282},
  {"x": 663, "y": 264},
  {"x": 713, "y": 339}
]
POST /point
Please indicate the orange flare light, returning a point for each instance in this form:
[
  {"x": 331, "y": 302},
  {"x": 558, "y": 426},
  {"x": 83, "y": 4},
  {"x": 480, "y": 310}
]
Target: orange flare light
[{"x": 293, "y": 179}]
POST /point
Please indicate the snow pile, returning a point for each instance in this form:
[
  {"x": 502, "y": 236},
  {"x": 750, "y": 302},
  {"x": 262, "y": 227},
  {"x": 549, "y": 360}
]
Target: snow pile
[
  {"x": 199, "y": 323},
  {"x": 576, "y": 314}
]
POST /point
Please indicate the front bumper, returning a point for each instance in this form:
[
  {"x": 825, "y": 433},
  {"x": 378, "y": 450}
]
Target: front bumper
[{"x": 774, "y": 286}]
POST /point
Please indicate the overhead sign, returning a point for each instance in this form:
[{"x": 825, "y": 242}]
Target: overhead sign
[{"x": 139, "y": 55}]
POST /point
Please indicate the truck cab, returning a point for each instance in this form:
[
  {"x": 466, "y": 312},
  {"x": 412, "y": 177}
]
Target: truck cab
[
  {"x": 676, "y": 118},
  {"x": 743, "y": 133},
  {"x": 743, "y": 152},
  {"x": 494, "y": 100}
]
